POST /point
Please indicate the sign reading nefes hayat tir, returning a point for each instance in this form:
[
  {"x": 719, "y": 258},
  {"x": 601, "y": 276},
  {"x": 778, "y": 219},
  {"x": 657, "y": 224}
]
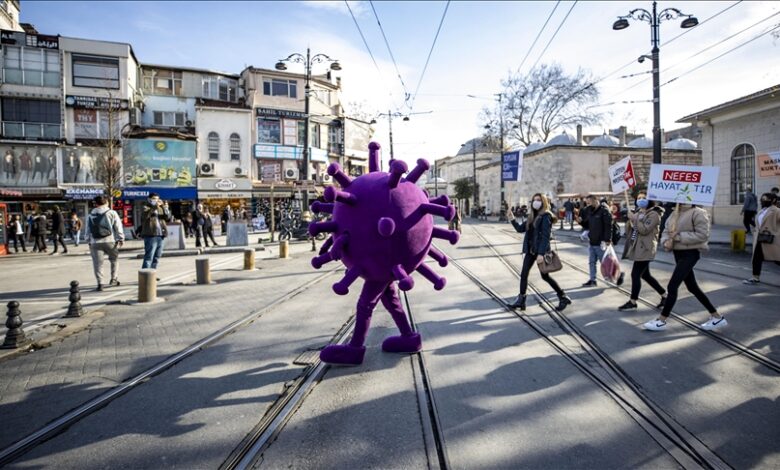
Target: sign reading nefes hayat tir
[{"x": 683, "y": 184}]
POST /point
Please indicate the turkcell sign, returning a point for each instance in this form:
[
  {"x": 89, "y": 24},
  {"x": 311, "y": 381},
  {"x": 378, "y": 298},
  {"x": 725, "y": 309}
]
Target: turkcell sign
[
  {"x": 511, "y": 166},
  {"x": 683, "y": 184}
]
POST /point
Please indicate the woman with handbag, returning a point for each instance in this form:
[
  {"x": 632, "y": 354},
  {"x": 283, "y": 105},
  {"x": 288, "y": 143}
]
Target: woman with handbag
[
  {"x": 686, "y": 235},
  {"x": 767, "y": 244},
  {"x": 536, "y": 248},
  {"x": 641, "y": 245}
]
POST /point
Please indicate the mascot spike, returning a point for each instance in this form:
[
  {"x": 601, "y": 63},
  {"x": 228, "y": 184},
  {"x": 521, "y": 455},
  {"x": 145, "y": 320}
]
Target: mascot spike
[
  {"x": 334, "y": 170},
  {"x": 397, "y": 169},
  {"x": 317, "y": 228},
  {"x": 417, "y": 171},
  {"x": 373, "y": 157},
  {"x": 438, "y": 256},
  {"x": 318, "y": 206},
  {"x": 437, "y": 281},
  {"x": 450, "y": 235},
  {"x": 342, "y": 287}
]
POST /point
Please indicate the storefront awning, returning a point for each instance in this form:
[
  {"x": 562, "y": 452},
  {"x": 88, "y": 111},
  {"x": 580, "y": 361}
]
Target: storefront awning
[
  {"x": 224, "y": 195},
  {"x": 165, "y": 193}
]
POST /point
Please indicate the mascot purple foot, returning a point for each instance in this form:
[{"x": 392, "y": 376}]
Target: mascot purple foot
[{"x": 382, "y": 227}]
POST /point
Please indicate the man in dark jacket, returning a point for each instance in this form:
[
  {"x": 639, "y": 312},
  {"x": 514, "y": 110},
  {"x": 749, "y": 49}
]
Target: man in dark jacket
[
  {"x": 154, "y": 229},
  {"x": 597, "y": 220},
  {"x": 199, "y": 225},
  {"x": 58, "y": 229},
  {"x": 749, "y": 210}
]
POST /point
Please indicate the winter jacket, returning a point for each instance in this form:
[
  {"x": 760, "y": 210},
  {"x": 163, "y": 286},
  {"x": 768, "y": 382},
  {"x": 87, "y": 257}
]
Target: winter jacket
[
  {"x": 57, "y": 223},
  {"x": 751, "y": 203},
  {"x": 599, "y": 224},
  {"x": 39, "y": 226},
  {"x": 692, "y": 227},
  {"x": 152, "y": 218},
  {"x": 537, "y": 234},
  {"x": 114, "y": 220},
  {"x": 198, "y": 218},
  {"x": 771, "y": 223},
  {"x": 645, "y": 245}
]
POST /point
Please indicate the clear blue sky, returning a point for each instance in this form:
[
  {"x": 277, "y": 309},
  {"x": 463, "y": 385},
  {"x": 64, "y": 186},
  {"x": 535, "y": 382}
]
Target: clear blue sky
[{"x": 479, "y": 43}]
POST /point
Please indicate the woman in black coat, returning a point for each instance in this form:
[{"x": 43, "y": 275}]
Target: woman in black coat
[
  {"x": 58, "y": 229},
  {"x": 536, "y": 243}
]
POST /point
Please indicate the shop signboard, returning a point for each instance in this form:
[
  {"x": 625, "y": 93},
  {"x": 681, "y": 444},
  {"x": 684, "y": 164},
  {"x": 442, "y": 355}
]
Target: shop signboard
[
  {"x": 271, "y": 171},
  {"x": 79, "y": 165},
  {"x": 163, "y": 163},
  {"x": 77, "y": 193},
  {"x": 166, "y": 194},
  {"x": 683, "y": 184},
  {"x": 768, "y": 164},
  {"x": 28, "y": 165},
  {"x": 95, "y": 102}
]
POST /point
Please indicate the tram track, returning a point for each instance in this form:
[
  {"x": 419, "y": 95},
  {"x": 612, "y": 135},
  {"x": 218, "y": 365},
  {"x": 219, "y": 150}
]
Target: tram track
[
  {"x": 681, "y": 445},
  {"x": 729, "y": 343},
  {"x": 60, "y": 424}
]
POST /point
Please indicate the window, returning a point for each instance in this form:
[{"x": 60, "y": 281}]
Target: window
[
  {"x": 213, "y": 146},
  {"x": 314, "y": 138},
  {"x": 31, "y": 66},
  {"x": 301, "y": 133},
  {"x": 334, "y": 139},
  {"x": 162, "y": 82},
  {"x": 169, "y": 119},
  {"x": 31, "y": 118},
  {"x": 276, "y": 87},
  {"x": 95, "y": 72},
  {"x": 268, "y": 131},
  {"x": 743, "y": 163},
  {"x": 220, "y": 88},
  {"x": 235, "y": 147}
]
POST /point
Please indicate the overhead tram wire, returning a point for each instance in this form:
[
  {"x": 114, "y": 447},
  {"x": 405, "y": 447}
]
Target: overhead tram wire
[
  {"x": 686, "y": 31},
  {"x": 387, "y": 43},
  {"x": 538, "y": 35},
  {"x": 422, "y": 75},
  {"x": 362, "y": 36},
  {"x": 554, "y": 34}
]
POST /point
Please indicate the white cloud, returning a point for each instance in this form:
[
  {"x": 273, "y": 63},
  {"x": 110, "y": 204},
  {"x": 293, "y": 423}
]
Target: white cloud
[{"x": 358, "y": 8}]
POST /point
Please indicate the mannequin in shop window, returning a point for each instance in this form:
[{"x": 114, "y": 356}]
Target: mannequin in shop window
[
  {"x": 40, "y": 167},
  {"x": 52, "y": 174},
  {"x": 86, "y": 168},
  {"x": 9, "y": 166},
  {"x": 71, "y": 169},
  {"x": 25, "y": 166}
]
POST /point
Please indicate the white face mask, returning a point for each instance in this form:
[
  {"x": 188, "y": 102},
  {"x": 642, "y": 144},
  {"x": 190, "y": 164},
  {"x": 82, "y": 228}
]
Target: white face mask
[{"x": 537, "y": 205}]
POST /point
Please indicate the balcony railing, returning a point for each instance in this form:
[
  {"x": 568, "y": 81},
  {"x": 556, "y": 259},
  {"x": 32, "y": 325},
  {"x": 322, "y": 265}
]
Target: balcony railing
[
  {"x": 31, "y": 130},
  {"x": 31, "y": 78}
]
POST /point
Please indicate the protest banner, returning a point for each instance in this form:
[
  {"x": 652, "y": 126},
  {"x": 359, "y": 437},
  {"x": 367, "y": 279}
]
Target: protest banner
[
  {"x": 512, "y": 166},
  {"x": 683, "y": 184},
  {"x": 621, "y": 175}
]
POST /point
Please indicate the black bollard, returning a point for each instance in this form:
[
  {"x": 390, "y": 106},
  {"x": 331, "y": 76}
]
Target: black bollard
[
  {"x": 74, "y": 309},
  {"x": 14, "y": 337}
]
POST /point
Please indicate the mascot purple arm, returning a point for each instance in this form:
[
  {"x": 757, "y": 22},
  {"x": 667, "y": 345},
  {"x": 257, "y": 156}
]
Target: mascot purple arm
[{"x": 382, "y": 229}]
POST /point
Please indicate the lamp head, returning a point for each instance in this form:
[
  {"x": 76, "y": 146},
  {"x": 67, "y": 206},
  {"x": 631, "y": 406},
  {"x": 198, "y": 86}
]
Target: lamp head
[
  {"x": 689, "y": 22},
  {"x": 335, "y": 66},
  {"x": 487, "y": 126},
  {"x": 280, "y": 66},
  {"x": 621, "y": 23},
  {"x": 373, "y": 121},
  {"x": 406, "y": 118}
]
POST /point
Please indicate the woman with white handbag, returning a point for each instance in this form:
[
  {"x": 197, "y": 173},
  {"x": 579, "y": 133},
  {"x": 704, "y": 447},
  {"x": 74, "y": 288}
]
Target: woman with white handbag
[{"x": 536, "y": 248}]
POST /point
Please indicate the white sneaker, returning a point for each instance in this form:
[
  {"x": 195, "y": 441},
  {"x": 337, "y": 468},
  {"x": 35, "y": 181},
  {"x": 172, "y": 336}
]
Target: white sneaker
[
  {"x": 714, "y": 324},
  {"x": 751, "y": 282},
  {"x": 655, "y": 325}
]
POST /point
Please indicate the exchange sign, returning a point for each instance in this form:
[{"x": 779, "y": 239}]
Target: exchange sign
[{"x": 683, "y": 184}]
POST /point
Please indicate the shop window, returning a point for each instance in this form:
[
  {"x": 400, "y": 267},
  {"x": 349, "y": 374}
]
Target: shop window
[
  {"x": 95, "y": 72},
  {"x": 743, "y": 163},
  {"x": 276, "y": 87},
  {"x": 269, "y": 131},
  {"x": 235, "y": 147},
  {"x": 213, "y": 146}
]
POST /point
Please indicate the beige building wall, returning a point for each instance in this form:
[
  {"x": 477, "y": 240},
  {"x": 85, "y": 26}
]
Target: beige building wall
[{"x": 9, "y": 15}]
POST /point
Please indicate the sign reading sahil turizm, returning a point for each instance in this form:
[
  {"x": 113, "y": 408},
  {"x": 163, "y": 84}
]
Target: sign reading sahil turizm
[{"x": 683, "y": 184}]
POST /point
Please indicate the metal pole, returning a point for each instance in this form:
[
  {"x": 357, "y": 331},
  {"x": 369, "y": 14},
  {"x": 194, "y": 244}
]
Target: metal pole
[
  {"x": 390, "y": 120},
  {"x": 501, "y": 216},
  {"x": 435, "y": 179},
  {"x": 474, "y": 169},
  {"x": 654, "y": 32},
  {"x": 305, "y": 173}
]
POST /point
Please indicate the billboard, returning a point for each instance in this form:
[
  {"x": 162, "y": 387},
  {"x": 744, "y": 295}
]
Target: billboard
[
  {"x": 28, "y": 165},
  {"x": 162, "y": 163},
  {"x": 79, "y": 165},
  {"x": 683, "y": 184}
]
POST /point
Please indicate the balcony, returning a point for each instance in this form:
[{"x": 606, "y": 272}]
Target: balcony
[
  {"x": 31, "y": 130},
  {"x": 31, "y": 78}
]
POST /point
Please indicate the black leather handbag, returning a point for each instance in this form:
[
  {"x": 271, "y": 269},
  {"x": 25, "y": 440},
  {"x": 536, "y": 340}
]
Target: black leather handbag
[{"x": 765, "y": 236}]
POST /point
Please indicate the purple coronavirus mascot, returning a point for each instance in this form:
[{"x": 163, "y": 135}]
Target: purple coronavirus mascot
[{"x": 382, "y": 229}]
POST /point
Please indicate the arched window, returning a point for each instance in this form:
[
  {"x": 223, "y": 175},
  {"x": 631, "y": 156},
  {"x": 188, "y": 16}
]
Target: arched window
[
  {"x": 213, "y": 146},
  {"x": 235, "y": 147},
  {"x": 743, "y": 164}
]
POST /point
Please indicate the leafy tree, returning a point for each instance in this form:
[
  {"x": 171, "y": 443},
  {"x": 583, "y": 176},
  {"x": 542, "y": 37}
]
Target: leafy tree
[
  {"x": 545, "y": 100},
  {"x": 464, "y": 188}
]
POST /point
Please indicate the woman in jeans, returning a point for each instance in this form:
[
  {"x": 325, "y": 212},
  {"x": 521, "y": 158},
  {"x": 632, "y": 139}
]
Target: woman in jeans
[
  {"x": 538, "y": 232},
  {"x": 686, "y": 234},
  {"x": 767, "y": 221},
  {"x": 641, "y": 245}
]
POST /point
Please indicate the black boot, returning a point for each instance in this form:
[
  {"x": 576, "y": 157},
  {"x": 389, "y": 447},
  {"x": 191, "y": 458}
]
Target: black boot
[
  {"x": 563, "y": 302},
  {"x": 519, "y": 302}
]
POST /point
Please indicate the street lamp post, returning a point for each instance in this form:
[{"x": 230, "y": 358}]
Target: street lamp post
[
  {"x": 308, "y": 61},
  {"x": 390, "y": 115},
  {"x": 654, "y": 18}
]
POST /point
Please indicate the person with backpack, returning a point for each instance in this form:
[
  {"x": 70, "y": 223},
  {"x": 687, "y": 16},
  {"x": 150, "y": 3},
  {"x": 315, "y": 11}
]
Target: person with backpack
[
  {"x": 58, "y": 230},
  {"x": 686, "y": 235},
  {"x": 153, "y": 229},
  {"x": 641, "y": 245},
  {"x": 596, "y": 219},
  {"x": 105, "y": 235},
  {"x": 536, "y": 243}
]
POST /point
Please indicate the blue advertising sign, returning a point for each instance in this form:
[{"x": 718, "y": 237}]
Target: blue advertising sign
[
  {"x": 162, "y": 163},
  {"x": 166, "y": 194},
  {"x": 511, "y": 166}
]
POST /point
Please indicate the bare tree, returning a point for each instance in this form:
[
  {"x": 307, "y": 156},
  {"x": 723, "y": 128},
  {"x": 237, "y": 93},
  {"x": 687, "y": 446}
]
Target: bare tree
[
  {"x": 543, "y": 101},
  {"x": 359, "y": 110},
  {"x": 108, "y": 164}
]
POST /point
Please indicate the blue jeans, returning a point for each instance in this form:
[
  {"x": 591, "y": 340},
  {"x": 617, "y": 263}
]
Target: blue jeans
[
  {"x": 595, "y": 254},
  {"x": 153, "y": 249}
]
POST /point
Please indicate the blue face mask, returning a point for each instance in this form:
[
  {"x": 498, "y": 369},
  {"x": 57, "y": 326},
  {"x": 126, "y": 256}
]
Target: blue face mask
[{"x": 642, "y": 203}]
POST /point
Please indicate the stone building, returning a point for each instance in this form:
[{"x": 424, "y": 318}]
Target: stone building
[
  {"x": 473, "y": 154},
  {"x": 736, "y": 136}
]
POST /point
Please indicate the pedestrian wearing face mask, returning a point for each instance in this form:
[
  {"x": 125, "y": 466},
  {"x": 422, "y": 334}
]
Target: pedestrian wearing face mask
[
  {"x": 641, "y": 244},
  {"x": 153, "y": 229},
  {"x": 536, "y": 243},
  {"x": 597, "y": 220},
  {"x": 686, "y": 235},
  {"x": 767, "y": 243}
]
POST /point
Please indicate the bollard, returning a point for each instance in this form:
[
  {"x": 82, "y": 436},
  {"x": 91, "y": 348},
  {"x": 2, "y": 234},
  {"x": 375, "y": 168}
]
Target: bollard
[
  {"x": 738, "y": 240},
  {"x": 284, "y": 249},
  {"x": 249, "y": 259},
  {"x": 74, "y": 309},
  {"x": 202, "y": 272},
  {"x": 147, "y": 285},
  {"x": 14, "y": 337}
]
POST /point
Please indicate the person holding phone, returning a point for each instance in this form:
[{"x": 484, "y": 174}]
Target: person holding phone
[{"x": 154, "y": 229}]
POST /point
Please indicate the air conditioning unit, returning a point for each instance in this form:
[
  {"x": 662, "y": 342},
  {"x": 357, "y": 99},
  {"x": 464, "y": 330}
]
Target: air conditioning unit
[
  {"x": 135, "y": 116},
  {"x": 188, "y": 123},
  {"x": 238, "y": 171},
  {"x": 206, "y": 169},
  {"x": 326, "y": 179},
  {"x": 291, "y": 174}
]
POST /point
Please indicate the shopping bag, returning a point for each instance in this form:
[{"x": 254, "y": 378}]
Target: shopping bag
[{"x": 610, "y": 265}]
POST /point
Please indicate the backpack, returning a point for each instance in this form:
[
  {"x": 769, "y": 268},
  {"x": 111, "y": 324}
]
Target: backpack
[
  {"x": 616, "y": 235},
  {"x": 100, "y": 226}
]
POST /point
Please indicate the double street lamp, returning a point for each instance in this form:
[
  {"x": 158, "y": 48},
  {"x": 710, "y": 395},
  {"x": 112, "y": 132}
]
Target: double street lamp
[
  {"x": 308, "y": 61},
  {"x": 390, "y": 115},
  {"x": 655, "y": 18}
]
